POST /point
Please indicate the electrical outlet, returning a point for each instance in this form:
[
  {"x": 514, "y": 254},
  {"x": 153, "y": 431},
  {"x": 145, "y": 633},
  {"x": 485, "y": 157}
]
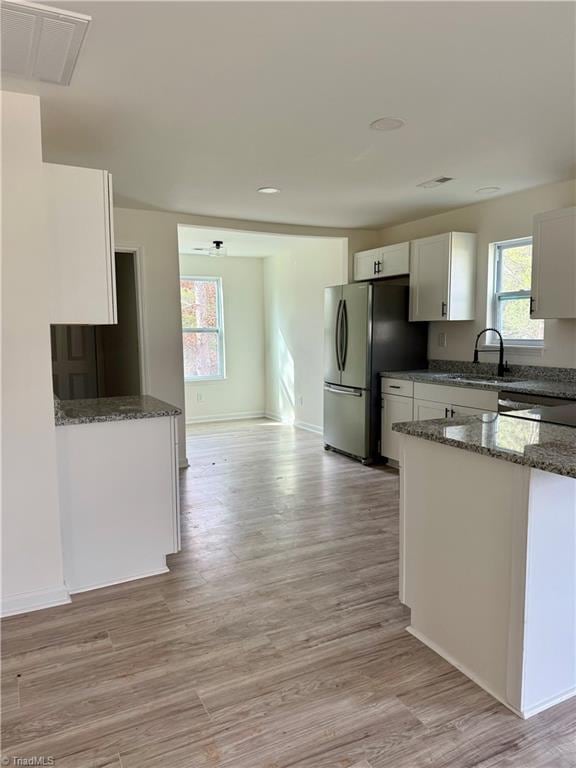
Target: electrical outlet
[
  {"x": 199, "y": 397},
  {"x": 442, "y": 340}
]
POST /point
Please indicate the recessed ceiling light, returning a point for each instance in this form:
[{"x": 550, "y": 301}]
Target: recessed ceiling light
[
  {"x": 487, "y": 190},
  {"x": 268, "y": 190},
  {"x": 387, "y": 124}
]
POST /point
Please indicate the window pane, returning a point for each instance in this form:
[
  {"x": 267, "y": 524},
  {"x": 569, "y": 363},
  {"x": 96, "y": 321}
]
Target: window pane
[
  {"x": 515, "y": 321},
  {"x": 199, "y": 300},
  {"x": 201, "y": 357},
  {"x": 516, "y": 268}
]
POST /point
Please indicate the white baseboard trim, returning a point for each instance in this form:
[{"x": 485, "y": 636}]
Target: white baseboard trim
[
  {"x": 34, "y": 601},
  {"x": 273, "y": 417},
  {"x": 102, "y": 585},
  {"x": 297, "y": 424},
  {"x": 309, "y": 427},
  {"x": 549, "y": 703},
  {"x": 475, "y": 679},
  {"x": 240, "y": 416},
  {"x": 523, "y": 713}
]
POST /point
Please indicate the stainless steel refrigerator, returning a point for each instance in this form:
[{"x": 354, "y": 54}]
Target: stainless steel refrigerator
[{"x": 366, "y": 330}]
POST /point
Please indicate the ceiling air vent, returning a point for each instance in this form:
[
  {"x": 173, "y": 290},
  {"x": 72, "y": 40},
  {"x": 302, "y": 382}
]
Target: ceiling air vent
[
  {"x": 435, "y": 182},
  {"x": 41, "y": 43}
]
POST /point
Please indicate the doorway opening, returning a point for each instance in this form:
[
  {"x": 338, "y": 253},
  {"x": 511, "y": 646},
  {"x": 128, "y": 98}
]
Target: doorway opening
[
  {"x": 262, "y": 324},
  {"x": 102, "y": 360}
]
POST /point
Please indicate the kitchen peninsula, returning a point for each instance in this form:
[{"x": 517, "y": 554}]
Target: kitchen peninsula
[
  {"x": 488, "y": 551},
  {"x": 118, "y": 480}
]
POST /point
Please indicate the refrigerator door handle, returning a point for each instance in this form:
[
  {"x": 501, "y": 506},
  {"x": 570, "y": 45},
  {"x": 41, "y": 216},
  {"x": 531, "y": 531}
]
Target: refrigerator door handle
[
  {"x": 348, "y": 392},
  {"x": 337, "y": 334},
  {"x": 344, "y": 321}
]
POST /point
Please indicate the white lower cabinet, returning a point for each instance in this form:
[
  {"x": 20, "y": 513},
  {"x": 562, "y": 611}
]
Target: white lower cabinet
[
  {"x": 118, "y": 484},
  {"x": 422, "y": 401},
  {"x": 395, "y": 408},
  {"x": 426, "y": 409}
]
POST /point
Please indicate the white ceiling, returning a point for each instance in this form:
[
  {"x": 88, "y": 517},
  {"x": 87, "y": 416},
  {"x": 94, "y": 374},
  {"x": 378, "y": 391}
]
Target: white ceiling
[
  {"x": 193, "y": 105},
  {"x": 244, "y": 244}
]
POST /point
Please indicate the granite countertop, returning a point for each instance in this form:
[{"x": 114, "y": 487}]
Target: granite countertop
[
  {"x": 101, "y": 409},
  {"x": 548, "y": 447},
  {"x": 544, "y": 387}
]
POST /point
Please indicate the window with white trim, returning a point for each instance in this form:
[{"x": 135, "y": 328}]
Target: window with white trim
[
  {"x": 202, "y": 328},
  {"x": 511, "y": 299}
]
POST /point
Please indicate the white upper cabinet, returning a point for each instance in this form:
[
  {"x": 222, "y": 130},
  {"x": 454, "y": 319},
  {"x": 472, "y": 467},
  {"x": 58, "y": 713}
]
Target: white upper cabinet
[
  {"x": 366, "y": 264},
  {"x": 554, "y": 264},
  {"x": 443, "y": 277},
  {"x": 79, "y": 203},
  {"x": 387, "y": 261}
]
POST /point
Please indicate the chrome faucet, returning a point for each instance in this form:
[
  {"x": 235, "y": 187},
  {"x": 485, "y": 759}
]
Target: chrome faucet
[{"x": 502, "y": 366}]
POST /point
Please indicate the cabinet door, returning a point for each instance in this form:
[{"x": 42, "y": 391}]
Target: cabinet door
[
  {"x": 429, "y": 278},
  {"x": 367, "y": 264},
  {"x": 395, "y": 408},
  {"x": 464, "y": 396},
  {"x": 395, "y": 260},
  {"x": 426, "y": 409},
  {"x": 79, "y": 206},
  {"x": 554, "y": 264},
  {"x": 176, "y": 532}
]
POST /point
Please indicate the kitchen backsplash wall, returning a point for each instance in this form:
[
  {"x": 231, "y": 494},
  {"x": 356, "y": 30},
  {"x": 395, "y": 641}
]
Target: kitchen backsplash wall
[
  {"x": 493, "y": 220},
  {"x": 549, "y": 373}
]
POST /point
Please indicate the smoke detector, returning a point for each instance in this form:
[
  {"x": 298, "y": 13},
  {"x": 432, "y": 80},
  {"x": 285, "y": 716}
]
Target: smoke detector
[
  {"x": 437, "y": 182},
  {"x": 40, "y": 42}
]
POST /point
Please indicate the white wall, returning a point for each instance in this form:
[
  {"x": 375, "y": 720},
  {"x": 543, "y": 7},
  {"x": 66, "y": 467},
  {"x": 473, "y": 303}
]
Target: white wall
[
  {"x": 294, "y": 306},
  {"x": 156, "y": 237},
  {"x": 493, "y": 220},
  {"x": 32, "y": 574},
  {"x": 241, "y": 393},
  {"x": 156, "y": 234}
]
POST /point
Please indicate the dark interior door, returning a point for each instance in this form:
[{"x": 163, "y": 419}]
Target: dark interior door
[{"x": 74, "y": 368}]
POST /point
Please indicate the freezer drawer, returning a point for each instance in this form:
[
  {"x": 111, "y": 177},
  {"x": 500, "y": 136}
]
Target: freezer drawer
[{"x": 347, "y": 419}]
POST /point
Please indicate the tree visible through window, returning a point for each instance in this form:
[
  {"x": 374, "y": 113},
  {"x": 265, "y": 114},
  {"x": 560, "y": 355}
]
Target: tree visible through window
[
  {"x": 512, "y": 282},
  {"x": 202, "y": 327}
]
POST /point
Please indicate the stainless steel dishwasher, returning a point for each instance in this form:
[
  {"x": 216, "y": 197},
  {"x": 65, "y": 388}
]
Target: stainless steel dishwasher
[{"x": 516, "y": 401}]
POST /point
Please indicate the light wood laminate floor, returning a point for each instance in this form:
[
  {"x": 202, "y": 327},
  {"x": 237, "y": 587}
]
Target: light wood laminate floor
[{"x": 276, "y": 640}]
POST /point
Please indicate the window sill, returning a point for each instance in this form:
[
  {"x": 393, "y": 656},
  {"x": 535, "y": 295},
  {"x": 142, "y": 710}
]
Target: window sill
[
  {"x": 203, "y": 380},
  {"x": 535, "y": 350}
]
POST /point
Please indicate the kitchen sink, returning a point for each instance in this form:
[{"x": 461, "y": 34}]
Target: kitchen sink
[{"x": 476, "y": 379}]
